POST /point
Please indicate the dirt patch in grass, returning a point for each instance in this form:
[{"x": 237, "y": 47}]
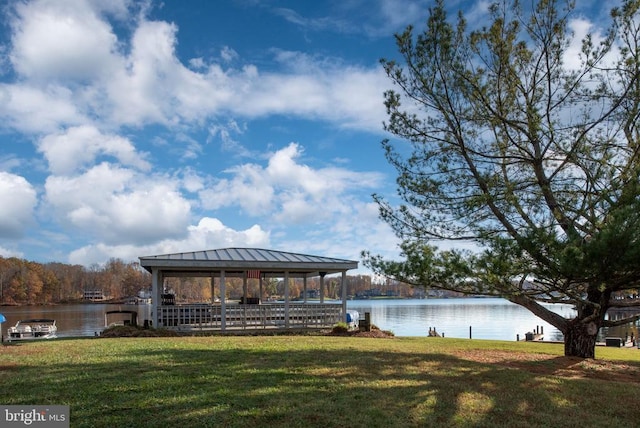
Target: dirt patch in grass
[
  {"x": 375, "y": 332},
  {"x": 381, "y": 334},
  {"x": 567, "y": 367}
]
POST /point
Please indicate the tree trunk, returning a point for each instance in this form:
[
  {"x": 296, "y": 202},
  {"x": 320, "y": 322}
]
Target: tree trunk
[{"x": 580, "y": 339}]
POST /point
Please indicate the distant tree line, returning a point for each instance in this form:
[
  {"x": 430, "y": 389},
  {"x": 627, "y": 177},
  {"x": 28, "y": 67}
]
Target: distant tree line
[{"x": 26, "y": 282}]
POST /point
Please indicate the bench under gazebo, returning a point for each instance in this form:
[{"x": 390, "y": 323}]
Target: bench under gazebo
[{"x": 250, "y": 313}]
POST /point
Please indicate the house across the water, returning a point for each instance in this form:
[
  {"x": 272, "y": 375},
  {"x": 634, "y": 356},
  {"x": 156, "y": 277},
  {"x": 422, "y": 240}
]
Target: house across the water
[{"x": 94, "y": 295}]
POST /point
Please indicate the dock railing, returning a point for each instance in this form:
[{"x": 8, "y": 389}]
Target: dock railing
[{"x": 238, "y": 316}]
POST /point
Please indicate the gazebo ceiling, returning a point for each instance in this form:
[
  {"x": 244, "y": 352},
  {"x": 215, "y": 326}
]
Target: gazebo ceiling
[{"x": 237, "y": 261}]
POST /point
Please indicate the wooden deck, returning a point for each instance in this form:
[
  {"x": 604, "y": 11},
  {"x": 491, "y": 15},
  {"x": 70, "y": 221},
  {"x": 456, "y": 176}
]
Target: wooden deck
[{"x": 247, "y": 317}]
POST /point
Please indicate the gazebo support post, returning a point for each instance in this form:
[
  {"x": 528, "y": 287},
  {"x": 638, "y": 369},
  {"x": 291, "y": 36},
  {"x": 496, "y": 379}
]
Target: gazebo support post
[
  {"x": 212, "y": 278},
  {"x": 244, "y": 288},
  {"x": 322, "y": 274},
  {"x": 344, "y": 296},
  {"x": 304, "y": 288},
  {"x": 157, "y": 281},
  {"x": 223, "y": 302},
  {"x": 286, "y": 299}
]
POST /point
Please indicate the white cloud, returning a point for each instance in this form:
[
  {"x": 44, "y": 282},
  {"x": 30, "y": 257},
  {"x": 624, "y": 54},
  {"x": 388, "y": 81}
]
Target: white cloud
[
  {"x": 31, "y": 109},
  {"x": 18, "y": 202},
  {"x": 378, "y": 19},
  {"x": 143, "y": 91},
  {"x": 155, "y": 87},
  {"x": 197, "y": 63},
  {"x": 248, "y": 189},
  {"x": 78, "y": 147},
  {"x": 117, "y": 205},
  {"x": 286, "y": 190},
  {"x": 209, "y": 233},
  {"x": 226, "y": 132},
  {"x": 346, "y": 96},
  {"x": 212, "y": 233},
  {"x": 573, "y": 55},
  {"x": 67, "y": 53},
  {"x": 10, "y": 162},
  {"x": 61, "y": 40},
  {"x": 5, "y": 252},
  {"x": 228, "y": 54},
  {"x": 192, "y": 181},
  {"x": 396, "y": 15},
  {"x": 297, "y": 208}
]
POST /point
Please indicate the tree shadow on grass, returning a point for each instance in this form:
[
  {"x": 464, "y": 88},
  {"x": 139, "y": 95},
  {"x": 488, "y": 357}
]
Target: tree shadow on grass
[
  {"x": 274, "y": 385},
  {"x": 567, "y": 367}
]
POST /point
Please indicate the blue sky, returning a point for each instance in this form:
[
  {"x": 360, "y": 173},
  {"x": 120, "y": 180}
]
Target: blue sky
[{"x": 132, "y": 128}]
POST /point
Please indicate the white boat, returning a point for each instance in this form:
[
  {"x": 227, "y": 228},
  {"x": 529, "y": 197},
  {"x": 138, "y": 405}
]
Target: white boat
[{"x": 33, "y": 329}]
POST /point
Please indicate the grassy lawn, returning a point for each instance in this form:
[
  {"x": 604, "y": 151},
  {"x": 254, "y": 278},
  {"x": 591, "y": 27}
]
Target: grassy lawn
[{"x": 325, "y": 381}]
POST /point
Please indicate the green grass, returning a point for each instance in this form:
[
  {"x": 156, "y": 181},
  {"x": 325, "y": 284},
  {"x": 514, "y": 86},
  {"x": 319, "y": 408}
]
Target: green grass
[{"x": 324, "y": 381}]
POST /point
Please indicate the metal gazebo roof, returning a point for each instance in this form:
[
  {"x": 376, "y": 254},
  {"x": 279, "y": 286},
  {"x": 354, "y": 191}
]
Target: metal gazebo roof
[{"x": 230, "y": 260}]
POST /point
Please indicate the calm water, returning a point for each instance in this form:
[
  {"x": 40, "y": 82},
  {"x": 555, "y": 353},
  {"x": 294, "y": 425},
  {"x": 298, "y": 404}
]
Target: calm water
[
  {"x": 72, "y": 320},
  {"x": 488, "y": 318}
]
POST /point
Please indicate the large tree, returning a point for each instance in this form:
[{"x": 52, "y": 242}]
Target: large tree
[{"x": 523, "y": 140}]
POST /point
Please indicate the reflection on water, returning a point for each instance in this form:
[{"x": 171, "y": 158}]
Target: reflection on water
[{"x": 488, "y": 318}]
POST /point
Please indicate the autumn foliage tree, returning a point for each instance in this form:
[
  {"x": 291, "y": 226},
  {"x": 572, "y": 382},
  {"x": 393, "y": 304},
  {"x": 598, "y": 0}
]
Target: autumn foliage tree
[
  {"x": 523, "y": 139},
  {"x": 32, "y": 283}
]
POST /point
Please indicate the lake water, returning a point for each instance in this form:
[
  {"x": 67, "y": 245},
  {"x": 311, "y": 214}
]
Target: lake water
[
  {"x": 71, "y": 320},
  {"x": 488, "y": 318}
]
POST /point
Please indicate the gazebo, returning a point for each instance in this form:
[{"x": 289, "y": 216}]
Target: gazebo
[{"x": 249, "y": 313}]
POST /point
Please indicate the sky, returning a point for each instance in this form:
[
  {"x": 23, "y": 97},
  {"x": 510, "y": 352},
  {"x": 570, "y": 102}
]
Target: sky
[{"x": 135, "y": 128}]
